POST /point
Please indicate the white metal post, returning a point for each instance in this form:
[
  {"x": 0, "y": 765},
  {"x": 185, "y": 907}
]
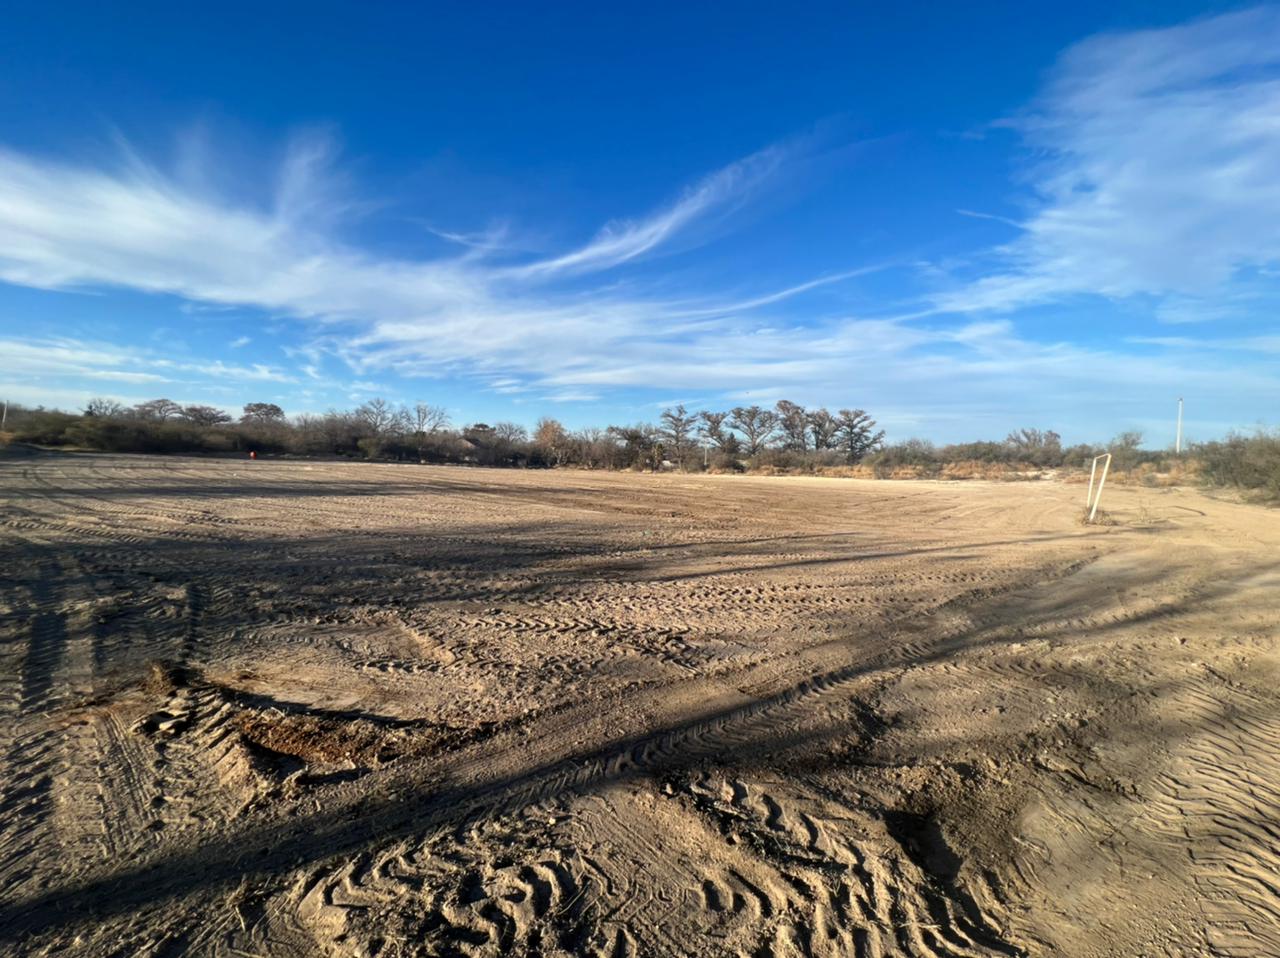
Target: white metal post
[
  {"x": 1177, "y": 443},
  {"x": 1093, "y": 512}
]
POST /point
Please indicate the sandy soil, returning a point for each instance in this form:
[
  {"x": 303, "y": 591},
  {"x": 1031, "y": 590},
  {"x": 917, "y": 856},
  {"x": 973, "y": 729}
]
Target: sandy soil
[{"x": 309, "y": 709}]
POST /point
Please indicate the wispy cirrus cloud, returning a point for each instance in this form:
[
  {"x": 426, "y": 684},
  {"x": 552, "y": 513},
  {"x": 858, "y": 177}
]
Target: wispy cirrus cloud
[
  {"x": 622, "y": 241},
  {"x": 1159, "y": 170},
  {"x": 1240, "y": 344},
  {"x": 32, "y": 364},
  {"x": 70, "y": 358},
  {"x": 64, "y": 226}
]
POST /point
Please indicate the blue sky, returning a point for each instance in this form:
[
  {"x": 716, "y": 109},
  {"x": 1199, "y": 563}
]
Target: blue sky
[{"x": 963, "y": 218}]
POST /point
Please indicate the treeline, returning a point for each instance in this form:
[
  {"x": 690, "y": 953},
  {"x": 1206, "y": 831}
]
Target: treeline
[
  {"x": 1037, "y": 448},
  {"x": 1249, "y": 462},
  {"x": 785, "y": 436}
]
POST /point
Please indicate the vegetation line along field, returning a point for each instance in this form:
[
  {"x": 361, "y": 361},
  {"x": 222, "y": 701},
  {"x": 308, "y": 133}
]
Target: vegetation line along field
[{"x": 786, "y": 438}]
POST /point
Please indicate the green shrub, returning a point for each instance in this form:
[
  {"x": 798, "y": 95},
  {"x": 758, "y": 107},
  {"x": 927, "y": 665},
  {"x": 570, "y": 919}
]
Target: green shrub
[{"x": 1247, "y": 462}]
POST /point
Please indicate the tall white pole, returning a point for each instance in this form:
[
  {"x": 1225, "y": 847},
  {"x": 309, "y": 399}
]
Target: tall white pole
[
  {"x": 4, "y": 417},
  {"x": 1177, "y": 443}
]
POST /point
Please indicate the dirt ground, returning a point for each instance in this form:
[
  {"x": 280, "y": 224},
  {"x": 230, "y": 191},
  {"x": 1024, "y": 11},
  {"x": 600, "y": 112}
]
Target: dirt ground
[{"x": 292, "y": 708}]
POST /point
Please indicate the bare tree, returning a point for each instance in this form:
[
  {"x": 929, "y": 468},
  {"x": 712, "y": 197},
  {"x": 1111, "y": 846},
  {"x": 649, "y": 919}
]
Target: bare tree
[
  {"x": 429, "y": 419},
  {"x": 104, "y": 409},
  {"x": 794, "y": 423},
  {"x": 822, "y": 429},
  {"x": 344, "y": 429},
  {"x": 756, "y": 425},
  {"x": 712, "y": 428},
  {"x": 593, "y": 448},
  {"x": 510, "y": 432},
  {"x": 856, "y": 435},
  {"x": 401, "y": 422},
  {"x": 262, "y": 412},
  {"x": 713, "y": 431},
  {"x": 159, "y": 410},
  {"x": 378, "y": 416},
  {"x": 425, "y": 421},
  {"x": 205, "y": 415},
  {"x": 308, "y": 433},
  {"x": 677, "y": 429}
]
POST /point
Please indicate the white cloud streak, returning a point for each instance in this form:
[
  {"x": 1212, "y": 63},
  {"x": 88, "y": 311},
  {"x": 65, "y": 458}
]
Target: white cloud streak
[
  {"x": 620, "y": 242},
  {"x": 1160, "y": 169},
  {"x": 64, "y": 227},
  {"x": 33, "y": 366}
]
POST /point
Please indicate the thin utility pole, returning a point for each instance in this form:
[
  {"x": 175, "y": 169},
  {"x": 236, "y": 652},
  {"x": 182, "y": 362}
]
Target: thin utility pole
[{"x": 1177, "y": 443}]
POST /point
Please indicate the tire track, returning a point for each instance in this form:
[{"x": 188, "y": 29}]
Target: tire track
[
  {"x": 1219, "y": 803},
  {"x": 556, "y": 612}
]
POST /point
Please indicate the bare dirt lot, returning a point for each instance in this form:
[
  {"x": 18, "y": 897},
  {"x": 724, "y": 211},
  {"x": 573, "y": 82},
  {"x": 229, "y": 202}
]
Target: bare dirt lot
[{"x": 270, "y": 708}]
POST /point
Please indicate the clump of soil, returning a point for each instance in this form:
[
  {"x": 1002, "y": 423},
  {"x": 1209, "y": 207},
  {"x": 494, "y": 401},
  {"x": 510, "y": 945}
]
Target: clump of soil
[
  {"x": 320, "y": 740},
  {"x": 163, "y": 678}
]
